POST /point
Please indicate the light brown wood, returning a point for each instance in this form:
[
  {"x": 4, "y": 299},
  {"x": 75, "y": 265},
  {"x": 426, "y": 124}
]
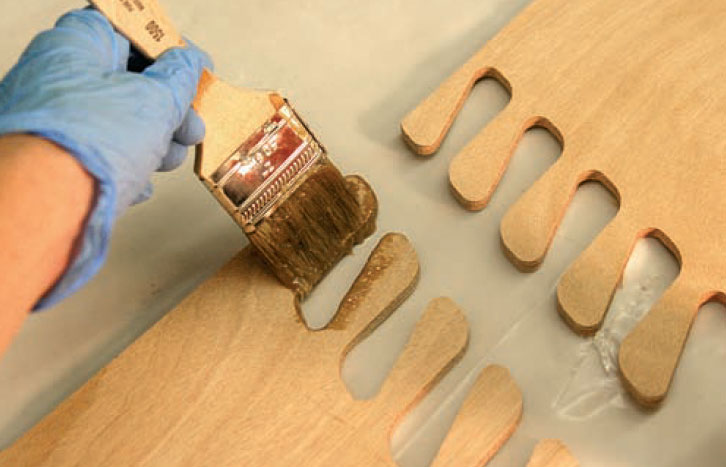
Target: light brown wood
[
  {"x": 230, "y": 114},
  {"x": 487, "y": 419},
  {"x": 231, "y": 376},
  {"x": 634, "y": 92},
  {"x": 552, "y": 453}
]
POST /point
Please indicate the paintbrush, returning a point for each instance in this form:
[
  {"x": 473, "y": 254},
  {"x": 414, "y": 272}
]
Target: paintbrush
[{"x": 263, "y": 164}]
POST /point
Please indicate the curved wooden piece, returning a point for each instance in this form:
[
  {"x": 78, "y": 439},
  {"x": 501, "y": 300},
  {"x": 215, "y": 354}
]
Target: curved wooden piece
[
  {"x": 586, "y": 289},
  {"x": 367, "y": 304},
  {"x": 552, "y": 453},
  {"x": 645, "y": 121},
  {"x": 437, "y": 343},
  {"x": 499, "y": 140},
  {"x": 649, "y": 355},
  {"x": 493, "y": 410},
  {"x": 529, "y": 226},
  {"x": 424, "y": 127}
]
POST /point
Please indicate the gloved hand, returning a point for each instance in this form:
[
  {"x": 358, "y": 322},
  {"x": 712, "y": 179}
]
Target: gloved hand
[{"x": 72, "y": 86}]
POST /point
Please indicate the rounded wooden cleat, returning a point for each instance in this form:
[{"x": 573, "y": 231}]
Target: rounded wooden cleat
[
  {"x": 425, "y": 127},
  {"x": 586, "y": 289},
  {"x": 552, "y": 453},
  {"x": 529, "y": 226},
  {"x": 649, "y": 355},
  {"x": 437, "y": 342},
  {"x": 476, "y": 170},
  {"x": 493, "y": 410},
  {"x": 387, "y": 279}
]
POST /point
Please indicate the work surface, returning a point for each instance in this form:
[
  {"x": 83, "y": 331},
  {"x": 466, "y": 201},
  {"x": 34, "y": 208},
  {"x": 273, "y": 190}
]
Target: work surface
[{"x": 353, "y": 72}]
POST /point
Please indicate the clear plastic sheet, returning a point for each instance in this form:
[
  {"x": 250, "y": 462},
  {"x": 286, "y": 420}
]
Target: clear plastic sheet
[{"x": 353, "y": 70}]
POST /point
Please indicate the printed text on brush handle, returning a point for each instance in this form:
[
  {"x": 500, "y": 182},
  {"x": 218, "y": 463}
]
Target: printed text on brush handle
[{"x": 152, "y": 27}]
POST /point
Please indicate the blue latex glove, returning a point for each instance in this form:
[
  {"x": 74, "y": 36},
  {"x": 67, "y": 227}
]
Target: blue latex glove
[{"x": 71, "y": 86}]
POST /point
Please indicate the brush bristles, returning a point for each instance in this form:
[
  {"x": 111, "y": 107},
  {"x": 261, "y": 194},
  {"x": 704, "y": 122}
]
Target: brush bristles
[{"x": 315, "y": 227}]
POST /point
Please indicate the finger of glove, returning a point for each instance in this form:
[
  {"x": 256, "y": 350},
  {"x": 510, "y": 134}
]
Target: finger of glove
[
  {"x": 144, "y": 194},
  {"x": 82, "y": 37},
  {"x": 191, "y": 131},
  {"x": 178, "y": 71},
  {"x": 174, "y": 157},
  {"x": 207, "y": 60}
]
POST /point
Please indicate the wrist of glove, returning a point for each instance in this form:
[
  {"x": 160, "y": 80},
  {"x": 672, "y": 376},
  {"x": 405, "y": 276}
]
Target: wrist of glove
[{"x": 72, "y": 86}]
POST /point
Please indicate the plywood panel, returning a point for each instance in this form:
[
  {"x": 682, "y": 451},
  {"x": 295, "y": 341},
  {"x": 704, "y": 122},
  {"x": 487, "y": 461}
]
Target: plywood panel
[
  {"x": 634, "y": 92},
  {"x": 231, "y": 376}
]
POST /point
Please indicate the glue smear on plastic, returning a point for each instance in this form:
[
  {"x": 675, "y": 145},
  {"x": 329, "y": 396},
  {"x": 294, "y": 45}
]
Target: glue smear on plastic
[{"x": 594, "y": 383}]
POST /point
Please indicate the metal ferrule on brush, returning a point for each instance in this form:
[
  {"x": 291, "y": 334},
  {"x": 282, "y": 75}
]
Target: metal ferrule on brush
[
  {"x": 267, "y": 166},
  {"x": 295, "y": 206}
]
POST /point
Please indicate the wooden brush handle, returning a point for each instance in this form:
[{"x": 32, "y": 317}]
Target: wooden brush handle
[
  {"x": 230, "y": 113},
  {"x": 144, "y": 23}
]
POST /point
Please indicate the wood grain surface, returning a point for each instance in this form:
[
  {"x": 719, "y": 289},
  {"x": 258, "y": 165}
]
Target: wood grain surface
[
  {"x": 232, "y": 376},
  {"x": 635, "y": 93},
  {"x": 489, "y": 416},
  {"x": 230, "y": 115},
  {"x": 552, "y": 453}
]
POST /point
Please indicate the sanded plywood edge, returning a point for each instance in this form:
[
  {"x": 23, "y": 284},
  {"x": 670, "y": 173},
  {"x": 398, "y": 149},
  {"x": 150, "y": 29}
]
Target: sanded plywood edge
[
  {"x": 552, "y": 453},
  {"x": 492, "y": 410},
  {"x": 625, "y": 119}
]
